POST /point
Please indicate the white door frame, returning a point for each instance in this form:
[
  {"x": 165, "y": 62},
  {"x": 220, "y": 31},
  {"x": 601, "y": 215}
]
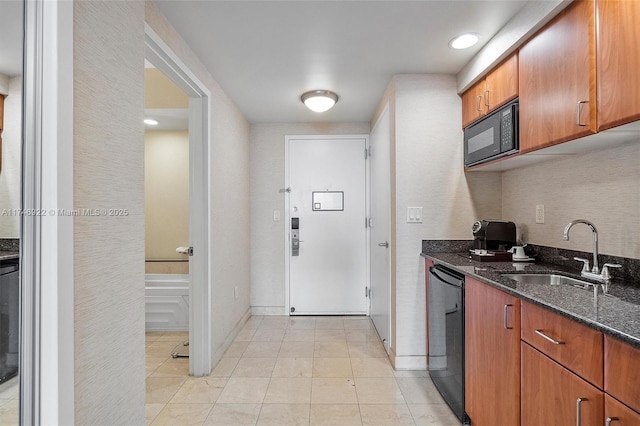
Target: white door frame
[
  {"x": 47, "y": 323},
  {"x": 287, "y": 214},
  {"x": 200, "y": 274}
]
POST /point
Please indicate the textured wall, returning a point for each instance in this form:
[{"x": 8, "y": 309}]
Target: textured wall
[
  {"x": 267, "y": 178},
  {"x": 601, "y": 186},
  {"x": 229, "y": 167},
  {"x": 166, "y": 193},
  {"x": 429, "y": 173},
  {"x": 10, "y": 176},
  {"x": 109, "y": 250}
]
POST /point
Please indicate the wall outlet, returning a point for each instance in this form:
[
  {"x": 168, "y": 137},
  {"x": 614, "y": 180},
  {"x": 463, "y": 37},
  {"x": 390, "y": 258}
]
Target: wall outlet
[
  {"x": 414, "y": 214},
  {"x": 539, "y": 213},
  {"x": 236, "y": 292}
]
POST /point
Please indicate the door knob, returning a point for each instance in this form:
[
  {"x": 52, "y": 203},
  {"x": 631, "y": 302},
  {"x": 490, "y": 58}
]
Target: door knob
[
  {"x": 185, "y": 250},
  {"x": 385, "y": 244}
]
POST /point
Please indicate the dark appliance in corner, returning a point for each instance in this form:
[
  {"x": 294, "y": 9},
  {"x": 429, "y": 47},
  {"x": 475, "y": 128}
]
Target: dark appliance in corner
[
  {"x": 493, "y": 235},
  {"x": 9, "y": 319},
  {"x": 446, "y": 336}
]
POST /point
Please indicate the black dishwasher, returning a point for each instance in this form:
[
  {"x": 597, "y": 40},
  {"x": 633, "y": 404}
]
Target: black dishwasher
[
  {"x": 9, "y": 318},
  {"x": 446, "y": 336}
]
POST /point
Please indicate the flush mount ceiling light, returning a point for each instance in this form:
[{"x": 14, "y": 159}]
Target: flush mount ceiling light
[
  {"x": 319, "y": 100},
  {"x": 150, "y": 122},
  {"x": 463, "y": 41}
]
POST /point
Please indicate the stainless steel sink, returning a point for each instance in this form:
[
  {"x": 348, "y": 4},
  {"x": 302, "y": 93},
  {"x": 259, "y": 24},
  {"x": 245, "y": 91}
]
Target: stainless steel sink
[{"x": 548, "y": 279}]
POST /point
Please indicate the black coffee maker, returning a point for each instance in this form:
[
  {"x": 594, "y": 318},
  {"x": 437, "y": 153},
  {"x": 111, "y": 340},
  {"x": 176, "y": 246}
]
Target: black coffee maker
[{"x": 493, "y": 235}]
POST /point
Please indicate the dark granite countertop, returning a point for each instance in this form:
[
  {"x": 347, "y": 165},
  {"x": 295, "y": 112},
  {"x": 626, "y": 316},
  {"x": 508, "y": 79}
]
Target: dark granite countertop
[
  {"x": 6, "y": 255},
  {"x": 616, "y": 313}
]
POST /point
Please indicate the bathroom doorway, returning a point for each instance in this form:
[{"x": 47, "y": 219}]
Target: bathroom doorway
[
  {"x": 166, "y": 174},
  {"x": 197, "y": 247}
]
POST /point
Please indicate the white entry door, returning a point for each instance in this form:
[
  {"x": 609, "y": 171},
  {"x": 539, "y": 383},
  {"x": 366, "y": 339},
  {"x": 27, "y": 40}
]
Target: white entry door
[
  {"x": 326, "y": 215},
  {"x": 381, "y": 228}
]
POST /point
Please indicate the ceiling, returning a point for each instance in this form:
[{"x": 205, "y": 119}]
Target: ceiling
[
  {"x": 11, "y": 37},
  {"x": 266, "y": 53}
]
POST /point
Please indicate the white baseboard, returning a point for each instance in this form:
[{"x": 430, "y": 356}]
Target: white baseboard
[
  {"x": 268, "y": 310},
  {"x": 230, "y": 338},
  {"x": 418, "y": 362}
]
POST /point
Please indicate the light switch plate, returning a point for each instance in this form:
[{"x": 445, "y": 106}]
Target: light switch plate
[
  {"x": 539, "y": 213},
  {"x": 276, "y": 215},
  {"x": 414, "y": 214}
]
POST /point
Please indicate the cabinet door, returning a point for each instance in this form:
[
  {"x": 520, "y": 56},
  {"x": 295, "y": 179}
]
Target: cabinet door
[
  {"x": 558, "y": 80},
  {"x": 618, "y": 62},
  {"x": 550, "y": 393},
  {"x": 620, "y": 414},
  {"x": 622, "y": 372},
  {"x": 473, "y": 106},
  {"x": 502, "y": 83},
  {"x": 492, "y": 355}
]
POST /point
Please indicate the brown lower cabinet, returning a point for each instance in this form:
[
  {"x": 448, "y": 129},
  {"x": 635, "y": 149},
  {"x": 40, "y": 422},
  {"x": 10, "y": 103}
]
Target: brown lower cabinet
[
  {"x": 492, "y": 355},
  {"x": 552, "y": 395},
  {"x": 618, "y": 414}
]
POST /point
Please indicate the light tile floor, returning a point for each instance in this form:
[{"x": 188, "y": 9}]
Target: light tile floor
[
  {"x": 291, "y": 371},
  {"x": 9, "y": 401}
]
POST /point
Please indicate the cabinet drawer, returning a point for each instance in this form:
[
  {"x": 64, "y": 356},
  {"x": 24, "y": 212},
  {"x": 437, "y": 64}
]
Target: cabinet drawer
[
  {"x": 622, "y": 372},
  {"x": 577, "y": 347}
]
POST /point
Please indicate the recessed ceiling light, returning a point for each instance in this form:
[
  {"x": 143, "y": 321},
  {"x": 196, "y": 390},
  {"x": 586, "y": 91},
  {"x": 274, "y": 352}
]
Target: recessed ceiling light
[
  {"x": 463, "y": 41},
  {"x": 319, "y": 100},
  {"x": 150, "y": 122}
]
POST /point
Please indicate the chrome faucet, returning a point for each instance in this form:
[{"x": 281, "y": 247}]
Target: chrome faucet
[
  {"x": 594, "y": 273},
  {"x": 565, "y": 236}
]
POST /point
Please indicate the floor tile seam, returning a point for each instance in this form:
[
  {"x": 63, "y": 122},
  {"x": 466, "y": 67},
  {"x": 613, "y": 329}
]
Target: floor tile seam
[{"x": 165, "y": 406}]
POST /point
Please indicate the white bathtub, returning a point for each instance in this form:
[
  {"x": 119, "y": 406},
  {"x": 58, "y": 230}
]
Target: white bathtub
[{"x": 166, "y": 300}]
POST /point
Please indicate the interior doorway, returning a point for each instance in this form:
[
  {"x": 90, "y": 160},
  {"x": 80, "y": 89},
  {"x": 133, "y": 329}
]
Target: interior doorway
[
  {"x": 326, "y": 225},
  {"x": 199, "y": 246}
]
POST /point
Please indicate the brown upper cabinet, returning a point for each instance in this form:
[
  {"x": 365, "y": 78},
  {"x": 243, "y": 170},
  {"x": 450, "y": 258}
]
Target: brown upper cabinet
[
  {"x": 558, "y": 80},
  {"x": 618, "y": 62},
  {"x": 494, "y": 90},
  {"x": 1, "y": 113},
  {"x": 1, "y": 125}
]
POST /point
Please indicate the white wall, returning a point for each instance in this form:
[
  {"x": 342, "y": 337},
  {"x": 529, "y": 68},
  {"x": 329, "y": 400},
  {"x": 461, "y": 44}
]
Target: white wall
[
  {"x": 267, "y": 178},
  {"x": 10, "y": 179},
  {"x": 429, "y": 173},
  {"x": 109, "y": 173},
  {"x": 230, "y": 220},
  {"x": 601, "y": 186}
]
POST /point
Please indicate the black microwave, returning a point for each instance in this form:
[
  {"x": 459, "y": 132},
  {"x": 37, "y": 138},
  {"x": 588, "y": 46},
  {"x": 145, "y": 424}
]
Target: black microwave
[{"x": 495, "y": 136}]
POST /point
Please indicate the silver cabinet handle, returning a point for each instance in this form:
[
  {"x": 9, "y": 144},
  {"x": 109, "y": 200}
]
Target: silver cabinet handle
[
  {"x": 578, "y": 412},
  {"x": 486, "y": 98},
  {"x": 385, "y": 244},
  {"x": 609, "y": 420},
  {"x": 578, "y": 120},
  {"x": 555, "y": 342},
  {"x": 478, "y": 100},
  {"x": 504, "y": 318}
]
